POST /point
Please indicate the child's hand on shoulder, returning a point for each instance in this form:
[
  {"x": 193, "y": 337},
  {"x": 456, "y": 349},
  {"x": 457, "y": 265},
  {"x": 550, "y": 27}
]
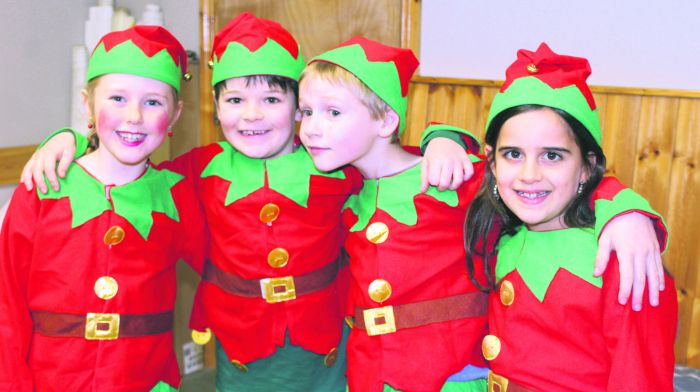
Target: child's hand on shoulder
[
  {"x": 60, "y": 148},
  {"x": 445, "y": 165}
]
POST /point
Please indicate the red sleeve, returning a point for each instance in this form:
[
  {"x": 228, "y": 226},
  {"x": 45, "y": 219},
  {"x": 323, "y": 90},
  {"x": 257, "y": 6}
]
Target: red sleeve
[
  {"x": 640, "y": 344},
  {"x": 16, "y": 242},
  {"x": 194, "y": 244}
]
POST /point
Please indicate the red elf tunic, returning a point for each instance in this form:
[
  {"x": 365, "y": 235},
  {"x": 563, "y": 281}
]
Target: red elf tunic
[
  {"x": 554, "y": 327},
  {"x": 405, "y": 247},
  {"x": 87, "y": 283},
  {"x": 272, "y": 218}
]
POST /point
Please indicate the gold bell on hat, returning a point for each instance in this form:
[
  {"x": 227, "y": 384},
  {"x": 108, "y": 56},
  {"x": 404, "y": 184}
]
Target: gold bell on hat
[{"x": 187, "y": 77}]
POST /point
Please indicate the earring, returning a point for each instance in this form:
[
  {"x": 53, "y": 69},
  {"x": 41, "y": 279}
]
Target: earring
[
  {"x": 170, "y": 131},
  {"x": 90, "y": 124},
  {"x": 495, "y": 192},
  {"x": 580, "y": 188}
]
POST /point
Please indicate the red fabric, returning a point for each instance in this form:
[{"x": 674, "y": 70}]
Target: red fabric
[
  {"x": 253, "y": 32},
  {"x": 554, "y": 69},
  {"x": 422, "y": 261},
  {"x": 250, "y": 328},
  {"x": 151, "y": 40},
  {"x": 47, "y": 265},
  {"x": 404, "y": 60},
  {"x": 580, "y": 339}
]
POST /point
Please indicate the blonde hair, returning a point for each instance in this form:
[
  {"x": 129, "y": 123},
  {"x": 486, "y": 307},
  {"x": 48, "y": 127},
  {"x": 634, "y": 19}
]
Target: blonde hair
[{"x": 335, "y": 74}]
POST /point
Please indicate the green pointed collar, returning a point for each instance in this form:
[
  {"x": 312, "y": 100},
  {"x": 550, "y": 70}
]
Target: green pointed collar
[
  {"x": 135, "y": 201},
  {"x": 394, "y": 195},
  {"x": 538, "y": 256},
  {"x": 289, "y": 174}
]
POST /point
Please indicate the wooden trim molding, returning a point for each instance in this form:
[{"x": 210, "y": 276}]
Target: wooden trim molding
[{"x": 12, "y": 160}]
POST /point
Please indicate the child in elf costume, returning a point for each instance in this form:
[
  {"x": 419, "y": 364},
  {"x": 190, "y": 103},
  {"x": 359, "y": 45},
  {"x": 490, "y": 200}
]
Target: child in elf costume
[
  {"x": 552, "y": 325},
  {"x": 418, "y": 318},
  {"x": 270, "y": 291},
  {"x": 87, "y": 273}
]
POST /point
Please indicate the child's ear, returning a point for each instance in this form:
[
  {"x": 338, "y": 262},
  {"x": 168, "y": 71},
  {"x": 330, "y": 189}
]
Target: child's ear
[
  {"x": 488, "y": 152},
  {"x": 390, "y": 123},
  {"x": 297, "y": 115},
  {"x": 86, "y": 103},
  {"x": 586, "y": 172},
  {"x": 176, "y": 113}
]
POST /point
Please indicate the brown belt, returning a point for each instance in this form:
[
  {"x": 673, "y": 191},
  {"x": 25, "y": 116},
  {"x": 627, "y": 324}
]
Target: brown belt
[
  {"x": 498, "y": 383},
  {"x": 276, "y": 289},
  {"x": 387, "y": 319},
  {"x": 101, "y": 326}
]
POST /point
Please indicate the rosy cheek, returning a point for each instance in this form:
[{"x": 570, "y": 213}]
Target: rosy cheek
[
  {"x": 161, "y": 123},
  {"x": 107, "y": 120}
]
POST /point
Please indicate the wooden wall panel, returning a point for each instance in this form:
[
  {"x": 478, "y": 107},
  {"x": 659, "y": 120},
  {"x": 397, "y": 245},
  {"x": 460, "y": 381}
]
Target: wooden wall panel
[{"x": 652, "y": 142}]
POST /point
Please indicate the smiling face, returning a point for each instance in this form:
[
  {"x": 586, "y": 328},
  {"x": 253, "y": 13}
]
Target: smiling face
[
  {"x": 132, "y": 114},
  {"x": 257, "y": 118},
  {"x": 538, "y": 167}
]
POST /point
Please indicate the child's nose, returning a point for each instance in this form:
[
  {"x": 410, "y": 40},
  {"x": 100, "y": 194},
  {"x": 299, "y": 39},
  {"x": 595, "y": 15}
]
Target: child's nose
[
  {"x": 530, "y": 171},
  {"x": 134, "y": 114},
  {"x": 251, "y": 111}
]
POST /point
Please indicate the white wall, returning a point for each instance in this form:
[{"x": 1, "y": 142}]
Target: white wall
[{"x": 638, "y": 43}]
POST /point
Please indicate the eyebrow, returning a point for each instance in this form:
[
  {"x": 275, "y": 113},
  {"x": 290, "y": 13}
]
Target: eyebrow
[{"x": 558, "y": 149}]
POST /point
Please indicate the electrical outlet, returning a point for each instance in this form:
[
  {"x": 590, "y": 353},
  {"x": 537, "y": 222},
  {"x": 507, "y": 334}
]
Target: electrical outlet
[{"x": 192, "y": 357}]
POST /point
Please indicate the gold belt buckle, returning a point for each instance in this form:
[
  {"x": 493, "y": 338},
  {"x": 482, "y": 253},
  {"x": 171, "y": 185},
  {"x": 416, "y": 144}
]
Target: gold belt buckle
[
  {"x": 102, "y": 326},
  {"x": 497, "y": 383},
  {"x": 379, "y": 321},
  {"x": 278, "y": 289}
]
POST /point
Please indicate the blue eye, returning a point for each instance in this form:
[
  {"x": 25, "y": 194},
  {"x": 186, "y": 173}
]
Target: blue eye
[
  {"x": 512, "y": 154},
  {"x": 335, "y": 113},
  {"x": 117, "y": 98},
  {"x": 153, "y": 102},
  {"x": 306, "y": 113}
]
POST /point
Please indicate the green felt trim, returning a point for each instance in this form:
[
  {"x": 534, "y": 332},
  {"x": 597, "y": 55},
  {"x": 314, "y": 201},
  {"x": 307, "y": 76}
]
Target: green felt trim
[
  {"x": 380, "y": 76},
  {"x": 269, "y": 59},
  {"x": 162, "y": 386},
  {"x": 533, "y": 91},
  {"x": 538, "y": 256},
  {"x": 288, "y": 174},
  {"x": 395, "y": 196},
  {"x": 448, "y": 131},
  {"x": 81, "y": 142},
  {"x": 624, "y": 201},
  {"x": 127, "y": 58},
  {"x": 135, "y": 201}
]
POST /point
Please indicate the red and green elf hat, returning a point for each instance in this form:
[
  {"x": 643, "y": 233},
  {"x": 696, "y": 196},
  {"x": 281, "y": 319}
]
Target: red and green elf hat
[
  {"x": 149, "y": 51},
  {"x": 546, "y": 78},
  {"x": 249, "y": 45},
  {"x": 386, "y": 70}
]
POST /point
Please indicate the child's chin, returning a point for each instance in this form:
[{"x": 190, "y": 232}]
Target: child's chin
[{"x": 327, "y": 166}]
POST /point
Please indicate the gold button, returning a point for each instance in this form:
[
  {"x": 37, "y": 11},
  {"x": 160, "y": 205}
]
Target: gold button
[
  {"x": 507, "y": 293},
  {"x": 377, "y": 232},
  {"x": 532, "y": 68},
  {"x": 331, "y": 357},
  {"x": 114, "y": 235},
  {"x": 379, "y": 290},
  {"x": 269, "y": 213},
  {"x": 106, "y": 287},
  {"x": 278, "y": 258},
  {"x": 490, "y": 347},
  {"x": 201, "y": 338},
  {"x": 238, "y": 365}
]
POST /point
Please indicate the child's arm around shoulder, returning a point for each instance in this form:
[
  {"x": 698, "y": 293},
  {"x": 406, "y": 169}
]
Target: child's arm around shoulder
[
  {"x": 448, "y": 153},
  {"x": 626, "y": 223}
]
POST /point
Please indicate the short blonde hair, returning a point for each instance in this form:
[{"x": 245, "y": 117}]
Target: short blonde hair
[{"x": 336, "y": 74}]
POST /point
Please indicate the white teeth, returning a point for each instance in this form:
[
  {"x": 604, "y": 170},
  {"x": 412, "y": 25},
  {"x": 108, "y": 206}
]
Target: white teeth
[
  {"x": 131, "y": 137},
  {"x": 251, "y": 133},
  {"x": 532, "y": 195}
]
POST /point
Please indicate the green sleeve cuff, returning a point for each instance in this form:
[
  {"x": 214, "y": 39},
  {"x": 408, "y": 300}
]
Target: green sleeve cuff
[
  {"x": 624, "y": 202},
  {"x": 81, "y": 142},
  {"x": 462, "y": 136}
]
